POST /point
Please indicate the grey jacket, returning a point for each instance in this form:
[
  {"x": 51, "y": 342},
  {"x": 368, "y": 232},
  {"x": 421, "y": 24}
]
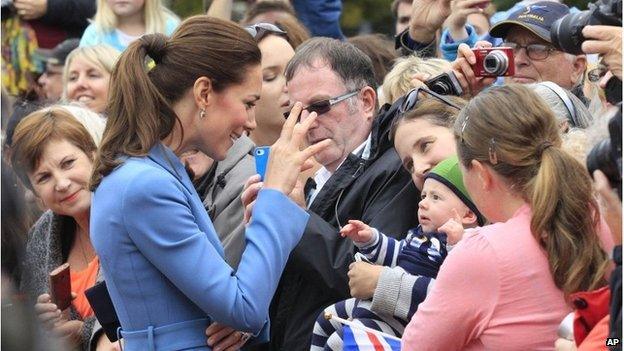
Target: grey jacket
[
  {"x": 221, "y": 190},
  {"x": 47, "y": 241}
]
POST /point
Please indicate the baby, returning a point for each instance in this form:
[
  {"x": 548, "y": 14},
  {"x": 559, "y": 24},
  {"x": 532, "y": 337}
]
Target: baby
[{"x": 444, "y": 210}]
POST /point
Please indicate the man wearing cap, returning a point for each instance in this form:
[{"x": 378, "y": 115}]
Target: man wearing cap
[
  {"x": 51, "y": 80},
  {"x": 527, "y": 30}
]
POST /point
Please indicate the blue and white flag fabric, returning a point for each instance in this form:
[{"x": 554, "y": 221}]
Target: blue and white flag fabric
[{"x": 356, "y": 339}]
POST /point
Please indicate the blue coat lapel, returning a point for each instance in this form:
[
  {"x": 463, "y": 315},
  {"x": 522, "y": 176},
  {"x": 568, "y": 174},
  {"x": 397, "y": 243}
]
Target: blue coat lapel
[{"x": 165, "y": 158}]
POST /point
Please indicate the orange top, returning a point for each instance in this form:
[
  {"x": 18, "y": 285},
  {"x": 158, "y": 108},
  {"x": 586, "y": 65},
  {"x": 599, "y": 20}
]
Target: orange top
[{"x": 81, "y": 281}]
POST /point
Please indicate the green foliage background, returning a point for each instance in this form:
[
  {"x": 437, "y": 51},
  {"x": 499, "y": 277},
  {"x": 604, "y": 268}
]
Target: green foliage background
[{"x": 355, "y": 12}]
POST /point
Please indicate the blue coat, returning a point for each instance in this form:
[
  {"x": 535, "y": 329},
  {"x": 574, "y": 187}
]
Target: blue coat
[{"x": 163, "y": 262}]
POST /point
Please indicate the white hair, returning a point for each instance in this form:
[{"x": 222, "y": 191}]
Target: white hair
[
  {"x": 566, "y": 106},
  {"x": 93, "y": 122}
]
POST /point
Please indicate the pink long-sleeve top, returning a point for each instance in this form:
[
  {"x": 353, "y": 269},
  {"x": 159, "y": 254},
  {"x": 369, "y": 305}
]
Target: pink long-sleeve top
[{"x": 494, "y": 292}]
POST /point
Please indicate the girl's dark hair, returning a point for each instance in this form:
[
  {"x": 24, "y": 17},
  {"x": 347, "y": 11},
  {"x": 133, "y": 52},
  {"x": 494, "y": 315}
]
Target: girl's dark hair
[{"x": 140, "y": 102}]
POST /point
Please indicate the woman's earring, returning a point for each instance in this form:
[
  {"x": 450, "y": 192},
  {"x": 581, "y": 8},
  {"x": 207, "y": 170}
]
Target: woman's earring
[{"x": 202, "y": 114}]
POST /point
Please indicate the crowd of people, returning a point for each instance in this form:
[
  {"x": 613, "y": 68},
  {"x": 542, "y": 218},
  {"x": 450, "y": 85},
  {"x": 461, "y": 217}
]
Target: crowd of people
[{"x": 405, "y": 192}]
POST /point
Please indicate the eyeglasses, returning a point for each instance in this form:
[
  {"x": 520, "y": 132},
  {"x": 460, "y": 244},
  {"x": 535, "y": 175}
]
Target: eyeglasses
[
  {"x": 324, "y": 106},
  {"x": 597, "y": 73},
  {"x": 411, "y": 99},
  {"x": 259, "y": 30},
  {"x": 534, "y": 51}
]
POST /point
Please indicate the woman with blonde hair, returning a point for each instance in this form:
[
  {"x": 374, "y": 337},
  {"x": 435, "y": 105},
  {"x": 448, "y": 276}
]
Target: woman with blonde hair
[
  {"x": 506, "y": 285},
  {"x": 400, "y": 79},
  {"x": 86, "y": 76},
  {"x": 118, "y": 23}
]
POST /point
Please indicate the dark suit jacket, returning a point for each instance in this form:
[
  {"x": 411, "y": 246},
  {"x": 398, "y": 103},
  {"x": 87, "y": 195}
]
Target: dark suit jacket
[{"x": 377, "y": 191}]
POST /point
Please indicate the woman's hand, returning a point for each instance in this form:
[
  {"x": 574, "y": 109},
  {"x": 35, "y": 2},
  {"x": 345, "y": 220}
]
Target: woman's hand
[
  {"x": 57, "y": 321},
  {"x": 69, "y": 331},
  {"x": 224, "y": 338},
  {"x": 286, "y": 160},
  {"x": 103, "y": 344},
  {"x": 249, "y": 195},
  {"x": 47, "y": 312},
  {"x": 31, "y": 9},
  {"x": 363, "y": 278},
  {"x": 298, "y": 194},
  {"x": 462, "y": 66}
]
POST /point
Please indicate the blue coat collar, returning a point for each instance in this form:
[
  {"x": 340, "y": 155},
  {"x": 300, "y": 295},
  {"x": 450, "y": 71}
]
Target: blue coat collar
[{"x": 164, "y": 156}]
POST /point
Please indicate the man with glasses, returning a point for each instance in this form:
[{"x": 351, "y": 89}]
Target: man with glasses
[
  {"x": 527, "y": 30},
  {"x": 51, "y": 80},
  {"x": 361, "y": 178}
]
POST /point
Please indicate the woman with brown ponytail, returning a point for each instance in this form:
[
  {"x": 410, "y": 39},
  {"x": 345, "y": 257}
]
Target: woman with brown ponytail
[
  {"x": 161, "y": 257},
  {"x": 505, "y": 286}
]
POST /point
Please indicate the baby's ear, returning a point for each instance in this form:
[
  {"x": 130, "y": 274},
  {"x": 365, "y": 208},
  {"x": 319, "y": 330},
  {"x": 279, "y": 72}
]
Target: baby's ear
[{"x": 469, "y": 219}]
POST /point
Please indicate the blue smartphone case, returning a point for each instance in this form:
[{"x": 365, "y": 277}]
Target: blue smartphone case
[{"x": 261, "y": 154}]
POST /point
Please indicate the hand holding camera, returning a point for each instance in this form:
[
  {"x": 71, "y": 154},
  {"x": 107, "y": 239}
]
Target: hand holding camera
[
  {"x": 464, "y": 69},
  {"x": 606, "y": 41}
]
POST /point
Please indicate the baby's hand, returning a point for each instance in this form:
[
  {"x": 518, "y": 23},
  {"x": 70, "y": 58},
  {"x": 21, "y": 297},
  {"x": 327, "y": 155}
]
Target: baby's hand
[
  {"x": 357, "y": 231},
  {"x": 453, "y": 229}
]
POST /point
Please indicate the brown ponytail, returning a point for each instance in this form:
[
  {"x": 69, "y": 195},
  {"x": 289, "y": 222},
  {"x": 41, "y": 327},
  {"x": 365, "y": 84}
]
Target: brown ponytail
[
  {"x": 514, "y": 131},
  {"x": 140, "y": 102}
]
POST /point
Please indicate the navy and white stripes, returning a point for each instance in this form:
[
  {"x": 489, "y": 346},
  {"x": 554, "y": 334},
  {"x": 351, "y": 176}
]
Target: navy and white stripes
[{"x": 420, "y": 255}]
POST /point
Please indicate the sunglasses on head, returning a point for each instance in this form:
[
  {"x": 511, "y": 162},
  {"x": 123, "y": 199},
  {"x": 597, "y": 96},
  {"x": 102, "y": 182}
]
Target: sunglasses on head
[
  {"x": 324, "y": 106},
  {"x": 260, "y": 30},
  {"x": 411, "y": 99}
]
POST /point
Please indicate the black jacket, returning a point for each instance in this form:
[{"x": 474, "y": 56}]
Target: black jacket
[
  {"x": 71, "y": 15},
  {"x": 377, "y": 191}
]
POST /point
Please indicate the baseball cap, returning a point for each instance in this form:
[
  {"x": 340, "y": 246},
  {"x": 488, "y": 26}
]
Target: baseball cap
[
  {"x": 537, "y": 18},
  {"x": 59, "y": 53}
]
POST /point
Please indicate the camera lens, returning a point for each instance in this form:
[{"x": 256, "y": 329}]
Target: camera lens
[
  {"x": 496, "y": 63},
  {"x": 566, "y": 34},
  {"x": 441, "y": 88},
  {"x": 600, "y": 157}
]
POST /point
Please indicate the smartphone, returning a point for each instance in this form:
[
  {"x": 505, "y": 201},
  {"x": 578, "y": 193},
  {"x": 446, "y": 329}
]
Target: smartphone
[
  {"x": 261, "y": 154},
  {"x": 60, "y": 286},
  {"x": 100, "y": 301}
]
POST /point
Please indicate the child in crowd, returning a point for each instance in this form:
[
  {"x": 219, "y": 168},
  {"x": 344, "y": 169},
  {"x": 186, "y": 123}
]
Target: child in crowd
[
  {"x": 444, "y": 210},
  {"x": 118, "y": 23}
]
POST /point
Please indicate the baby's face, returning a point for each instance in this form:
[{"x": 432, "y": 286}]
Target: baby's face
[{"x": 436, "y": 205}]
